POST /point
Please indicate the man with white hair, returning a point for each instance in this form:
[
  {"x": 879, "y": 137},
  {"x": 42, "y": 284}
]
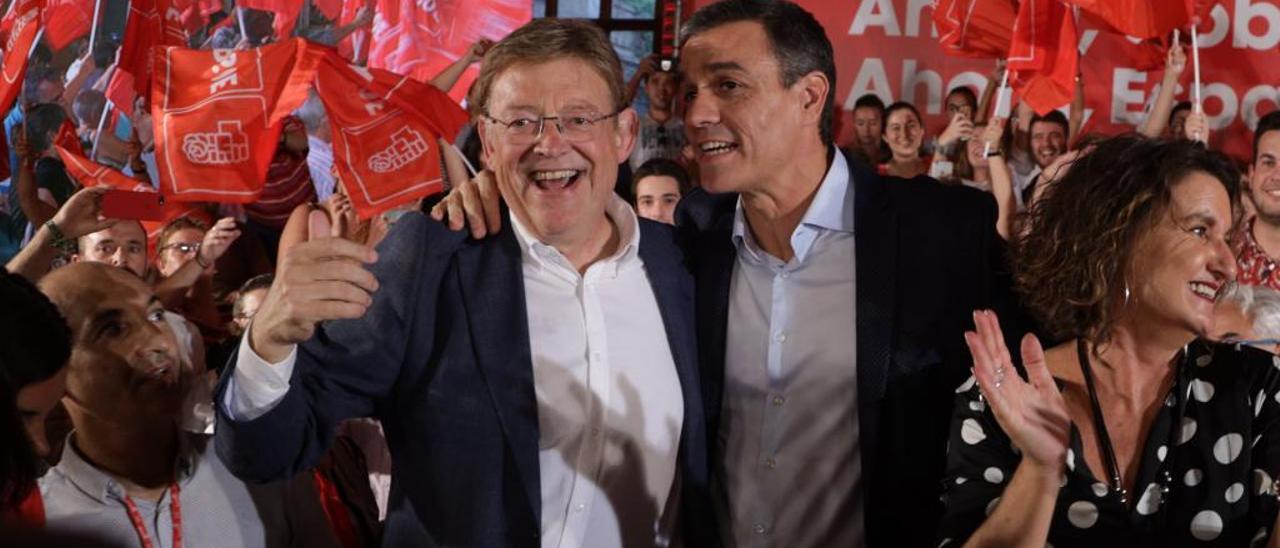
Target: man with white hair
[{"x": 1249, "y": 315}]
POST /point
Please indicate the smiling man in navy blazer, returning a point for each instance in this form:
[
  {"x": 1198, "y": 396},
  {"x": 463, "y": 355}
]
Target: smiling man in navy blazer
[{"x": 538, "y": 388}]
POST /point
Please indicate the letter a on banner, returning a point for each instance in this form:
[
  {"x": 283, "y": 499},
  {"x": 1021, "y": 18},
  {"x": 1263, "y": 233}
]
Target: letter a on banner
[
  {"x": 384, "y": 134},
  {"x": 216, "y": 115}
]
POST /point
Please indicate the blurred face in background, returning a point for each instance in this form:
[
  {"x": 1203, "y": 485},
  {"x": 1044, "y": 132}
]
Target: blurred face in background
[{"x": 656, "y": 198}]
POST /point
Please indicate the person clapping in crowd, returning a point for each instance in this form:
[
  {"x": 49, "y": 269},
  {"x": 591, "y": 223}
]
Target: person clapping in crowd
[{"x": 1136, "y": 430}]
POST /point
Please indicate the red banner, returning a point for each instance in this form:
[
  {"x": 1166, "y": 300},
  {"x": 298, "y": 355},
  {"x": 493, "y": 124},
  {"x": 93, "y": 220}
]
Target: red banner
[
  {"x": 67, "y": 138},
  {"x": 420, "y": 39},
  {"x": 975, "y": 28},
  {"x": 889, "y": 47},
  {"x": 89, "y": 173},
  {"x": 1043, "y": 54},
  {"x": 384, "y": 134},
  {"x": 22, "y": 23},
  {"x": 121, "y": 91},
  {"x": 216, "y": 116},
  {"x": 66, "y": 20}
]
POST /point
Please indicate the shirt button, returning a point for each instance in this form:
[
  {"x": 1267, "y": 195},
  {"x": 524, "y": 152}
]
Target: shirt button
[
  {"x": 581, "y": 507},
  {"x": 780, "y": 337},
  {"x": 769, "y": 462},
  {"x": 758, "y": 528},
  {"x": 786, "y": 275},
  {"x": 778, "y": 401}
]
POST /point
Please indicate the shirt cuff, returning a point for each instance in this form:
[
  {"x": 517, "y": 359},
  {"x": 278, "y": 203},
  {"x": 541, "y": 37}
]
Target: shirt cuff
[{"x": 257, "y": 386}]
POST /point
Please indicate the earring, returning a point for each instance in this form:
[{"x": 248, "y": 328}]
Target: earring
[{"x": 1126, "y": 293}]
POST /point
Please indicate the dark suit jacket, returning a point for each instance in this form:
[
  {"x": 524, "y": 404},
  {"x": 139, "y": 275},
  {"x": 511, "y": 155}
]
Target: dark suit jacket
[
  {"x": 442, "y": 359},
  {"x": 924, "y": 261}
]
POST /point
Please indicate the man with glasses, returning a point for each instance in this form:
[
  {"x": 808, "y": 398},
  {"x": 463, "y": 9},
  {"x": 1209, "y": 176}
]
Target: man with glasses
[{"x": 540, "y": 387}]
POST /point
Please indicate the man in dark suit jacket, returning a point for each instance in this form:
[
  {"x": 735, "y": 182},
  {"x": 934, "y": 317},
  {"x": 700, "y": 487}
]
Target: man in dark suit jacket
[
  {"x": 798, "y": 251},
  {"x": 537, "y": 389},
  {"x": 831, "y": 303}
]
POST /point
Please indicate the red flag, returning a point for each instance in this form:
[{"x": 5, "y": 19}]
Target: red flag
[
  {"x": 286, "y": 14},
  {"x": 121, "y": 91},
  {"x": 23, "y": 23},
  {"x": 347, "y": 47},
  {"x": 384, "y": 134},
  {"x": 147, "y": 28},
  {"x": 1141, "y": 18},
  {"x": 1043, "y": 54},
  {"x": 974, "y": 28},
  {"x": 90, "y": 173},
  {"x": 67, "y": 138},
  {"x": 330, "y": 8},
  {"x": 419, "y": 39},
  {"x": 209, "y": 7},
  {"x": 216, "y": 116},
  {"x": 66, "y": 20}
]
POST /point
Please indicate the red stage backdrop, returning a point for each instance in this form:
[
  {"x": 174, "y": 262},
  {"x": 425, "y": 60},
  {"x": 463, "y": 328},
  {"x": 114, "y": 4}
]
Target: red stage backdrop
[{"x": 889, "y": 47}]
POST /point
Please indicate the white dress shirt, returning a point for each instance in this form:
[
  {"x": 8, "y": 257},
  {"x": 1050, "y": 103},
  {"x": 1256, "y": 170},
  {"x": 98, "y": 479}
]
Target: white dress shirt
[
  {"x": 319, "y": 163},
  {"x": 789, "y": 430},
  {"x": 610, "y": 407}
]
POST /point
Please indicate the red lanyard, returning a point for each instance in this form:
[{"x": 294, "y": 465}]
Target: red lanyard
[{"x": 175, "y": 517}]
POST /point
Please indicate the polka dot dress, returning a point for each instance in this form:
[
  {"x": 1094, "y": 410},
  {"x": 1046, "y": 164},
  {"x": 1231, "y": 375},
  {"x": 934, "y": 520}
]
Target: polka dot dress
[{"x": 1207, "y": 478}]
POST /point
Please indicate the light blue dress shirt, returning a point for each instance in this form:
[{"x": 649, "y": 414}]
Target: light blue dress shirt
[{"x": 791, "y": 466}]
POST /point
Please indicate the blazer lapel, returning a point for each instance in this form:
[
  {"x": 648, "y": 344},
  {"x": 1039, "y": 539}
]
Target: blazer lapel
[
  {"x": 875, "y": 241},
  {"x": 492, "y": 285},
  {"x": 673, "y": 289}
]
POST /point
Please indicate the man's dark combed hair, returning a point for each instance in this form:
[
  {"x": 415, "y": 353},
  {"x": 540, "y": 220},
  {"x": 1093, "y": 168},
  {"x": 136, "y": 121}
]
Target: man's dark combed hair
[
  {"x": 1055, "y": 117},
  {"x": 43, "y": 121},
  {"x": 1072, "y": 264},
  {"x": 35, "y": 344},
  {"x": 797, "y": 40},
  {"x": 869, "y": 100},
  {"x": 661, "y": 167},
  {"x": 1270, "y": 122}
]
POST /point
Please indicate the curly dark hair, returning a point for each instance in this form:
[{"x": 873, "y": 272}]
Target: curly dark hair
[{"x": 1071, "y": 263}]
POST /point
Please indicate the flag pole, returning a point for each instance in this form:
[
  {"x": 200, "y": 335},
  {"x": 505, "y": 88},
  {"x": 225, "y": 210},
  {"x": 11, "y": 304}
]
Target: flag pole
[
  {"x": 102, "y": 120},
  {"x": 1195, "y": 65},
  {"x": 1004, "y": 83},
  {"x": 465, "y": 161},
  {"x": 240, "y": 20},
  {"x": 93, "y": 31}
]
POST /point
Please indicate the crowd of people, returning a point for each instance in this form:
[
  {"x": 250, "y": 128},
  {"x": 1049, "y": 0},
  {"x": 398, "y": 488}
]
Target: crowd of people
[{"x": 669, "y": 310}]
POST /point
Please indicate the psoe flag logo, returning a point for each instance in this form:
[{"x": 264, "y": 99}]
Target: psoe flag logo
[
  {"x": 227, "y": 145},
  {"x": 406, "y": 146}
]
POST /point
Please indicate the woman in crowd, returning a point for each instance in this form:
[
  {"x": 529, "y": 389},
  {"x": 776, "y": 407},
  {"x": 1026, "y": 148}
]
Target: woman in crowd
[
  {"x": 904, "y": 133},
  {"x": 35, "y": 345},
  {"x": 980, "y": 164},
  {"x": 1135, "y": 431}
]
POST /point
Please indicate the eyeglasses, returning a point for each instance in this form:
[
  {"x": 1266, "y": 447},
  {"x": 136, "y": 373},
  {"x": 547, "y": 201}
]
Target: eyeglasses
[
  {"x": 575, "y": 127},
  {"x": 183, "y": 247}
]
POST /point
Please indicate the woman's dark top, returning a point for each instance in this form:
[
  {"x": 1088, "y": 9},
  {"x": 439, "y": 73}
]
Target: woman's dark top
[{"x": 1207, "y": 472}]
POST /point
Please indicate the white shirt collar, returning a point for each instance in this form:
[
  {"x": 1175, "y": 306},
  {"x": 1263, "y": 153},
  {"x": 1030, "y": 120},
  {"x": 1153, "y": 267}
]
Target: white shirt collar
[
  {"x": 830, "y": 210},
  {"x": 619, "y": 212}
]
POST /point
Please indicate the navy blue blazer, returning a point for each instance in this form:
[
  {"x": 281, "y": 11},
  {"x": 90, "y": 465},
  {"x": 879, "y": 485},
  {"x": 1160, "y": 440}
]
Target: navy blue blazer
[
  {"x": 442, "y": 359},
  {"x": 926, "y": 256}
]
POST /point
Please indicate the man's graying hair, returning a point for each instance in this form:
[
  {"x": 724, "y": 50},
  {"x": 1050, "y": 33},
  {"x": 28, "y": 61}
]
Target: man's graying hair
[{"x": 797, "y": 40}]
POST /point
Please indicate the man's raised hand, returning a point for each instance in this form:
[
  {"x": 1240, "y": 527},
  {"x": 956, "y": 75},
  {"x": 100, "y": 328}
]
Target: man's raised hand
[{"x": 321, "y": 279}]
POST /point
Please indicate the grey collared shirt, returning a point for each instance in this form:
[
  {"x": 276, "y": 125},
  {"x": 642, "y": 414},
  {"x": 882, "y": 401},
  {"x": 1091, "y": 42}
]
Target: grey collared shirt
[
  {"x": 791, "y": 466},
  {"x": 217, "y": 509}
]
